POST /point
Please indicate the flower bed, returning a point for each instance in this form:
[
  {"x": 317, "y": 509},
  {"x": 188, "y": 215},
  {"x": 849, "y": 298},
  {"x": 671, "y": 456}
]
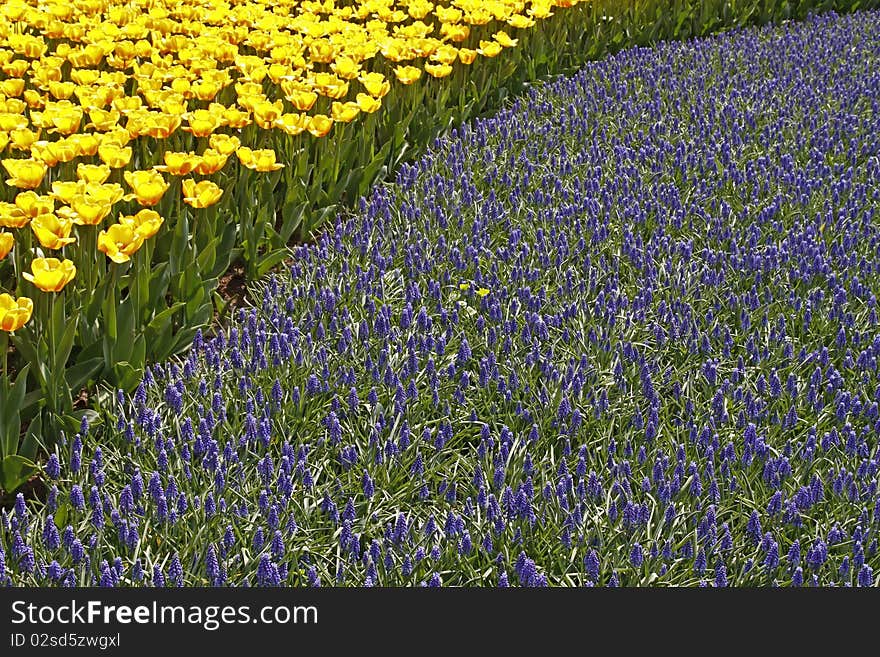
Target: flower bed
[{"x": 623, "y": 333}]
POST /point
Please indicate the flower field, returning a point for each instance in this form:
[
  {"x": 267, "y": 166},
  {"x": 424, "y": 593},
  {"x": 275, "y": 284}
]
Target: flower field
[{"x": 624, "y": 332}]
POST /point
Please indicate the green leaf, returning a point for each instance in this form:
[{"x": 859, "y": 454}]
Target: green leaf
[
  {"x": 270, "y": 260},
  {"x": 78, "y": 375},
  {"x": 15, "y": 470}
]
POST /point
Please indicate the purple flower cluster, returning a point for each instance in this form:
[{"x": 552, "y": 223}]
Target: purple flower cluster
[{"x": 623, "y": 333}]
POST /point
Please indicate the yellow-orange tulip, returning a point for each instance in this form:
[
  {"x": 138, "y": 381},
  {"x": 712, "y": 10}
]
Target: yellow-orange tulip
[
  {"x": 52, "y": 231},
  {"x": 25, "y": 174},
  {"x": 50, "y": 274},
  {"x": 146, "y": 222},
  {"x": 202, "y": 194},
  {"x": 14, "y": 313},
  {"x": 466, "y": 55},
  {"x": 119, "y": 242},
  {"x": 6, "y": 243},
  {"x": 211, "y": 162},
  {"x": 148, "y": 186},
  {"x": 259, "y": 160}
]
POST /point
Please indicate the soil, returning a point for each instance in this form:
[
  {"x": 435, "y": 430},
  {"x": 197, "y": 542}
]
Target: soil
[{"x": 232, "y": 286}]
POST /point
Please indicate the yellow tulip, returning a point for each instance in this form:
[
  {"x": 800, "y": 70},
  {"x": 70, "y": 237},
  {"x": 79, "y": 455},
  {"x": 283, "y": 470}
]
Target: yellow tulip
[
  {"x": 148, "y": 186},
  {"x": 345, "y": 112},
  {"x": 520, "y": 22},
  {"x": 110, "y": 192},
  {"x": 52, "y": 231},
  {"x": 66, "y": 190},
  {"x": 445, "y": 54},
  {"x": 504, "y": 39},
  {"x": 6, "y": 243},
  {"x": 23, "y": 138},
  {"x": 438, "y": 70},
  {"x": 146, "y": 222},
  {"x": 293, "y": 124},
  {"x": 25, "y": 174},
  {"x": 302, "y": 100},
  {"x": 161, "y": 125},
  {"x": 50, "y": 274},
  {"x": 407, "y": 74},
  {"x": 265, "y": 113},
  {"x": 456, "y": 33},
  {"x": 119, "y": 242},
  {"x": 12, "y": 216},
  {"x": 85, "y": 145},
  {"x": 320, "y": 125},
  {"x": 202, "y": 123},
  {"x": 236, "y": 118},
  {"x": 89, "y": 211},
  {"x": 346, "y": 68},
  {"x": 114, "y": 156},
  {"x": 32, "y": 204},
  {"x": 489, "y": 48},
  {"x": 202, "y": 194},
  {"x": 224, "y": 144},
  {"x": 367, "y": 103},
  {"x": 14, "y": 313},
  {"x": 331, "y": 86},
  {"x": 179, "y": 164},
  {"x": 92, "y": 173},
  {"x": 375, "y": 84},
  {"x": 259, "y": 160},
  {"x": 102, "y": 120}
]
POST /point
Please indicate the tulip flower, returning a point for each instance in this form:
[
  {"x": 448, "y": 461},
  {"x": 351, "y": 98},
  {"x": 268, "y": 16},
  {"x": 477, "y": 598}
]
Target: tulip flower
[
  {"x": 145, "y": 222},
  {"x": 92, "y": 173},
  {"x": 6, "y": 243},
  {"x": 202, "y": 194},
  {"x": 113, "y": 155},
  {"x": 14, "y": 313},
  {"x": 148, "y": 186},
  {"x": 407, "y": 74},
  {"x": 119, "y": 242},
  {"x": 25, "y": 174},
  {"x": 50, "y": 274},
  {"x": 258, "y": 160},
  {"x": 52, "y": 231}
]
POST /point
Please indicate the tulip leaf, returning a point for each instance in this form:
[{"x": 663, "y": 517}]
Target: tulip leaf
[
  {"x": 15, "y": 470},
  {"x": 78, "y": 375}
]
